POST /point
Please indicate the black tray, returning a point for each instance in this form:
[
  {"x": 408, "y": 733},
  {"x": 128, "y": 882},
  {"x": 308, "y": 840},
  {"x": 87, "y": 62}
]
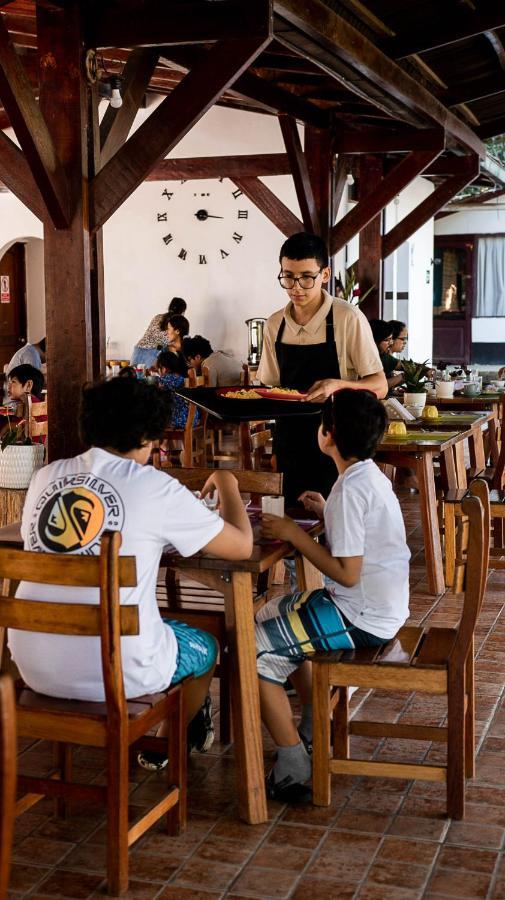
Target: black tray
[{"x": 246, "y": 410}]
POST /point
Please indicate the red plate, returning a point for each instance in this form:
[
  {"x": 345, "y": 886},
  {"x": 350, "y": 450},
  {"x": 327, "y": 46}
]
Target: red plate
[{"x": 276, "y": 394}]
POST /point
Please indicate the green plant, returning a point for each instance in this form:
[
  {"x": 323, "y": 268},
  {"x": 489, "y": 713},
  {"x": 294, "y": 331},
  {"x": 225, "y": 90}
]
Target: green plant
[
  {"x": 414, "y": 376},
  {"x": 350, "y": 288},
  {"x": 14, "y": 434}
]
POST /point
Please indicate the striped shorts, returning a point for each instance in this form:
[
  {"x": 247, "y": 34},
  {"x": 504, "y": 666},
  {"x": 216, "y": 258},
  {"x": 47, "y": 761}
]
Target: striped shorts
[
  {"x": 289, "y": 627},
  {"x": 196, "y": 650}
]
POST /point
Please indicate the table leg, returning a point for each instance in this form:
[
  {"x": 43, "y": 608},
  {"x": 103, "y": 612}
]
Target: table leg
[
  {"x": 459, "y": 460},
  {"x": 494, "y": 451},
  {"x": 476, "y": 448},
  {"x": 245, "y": 699},
  {"x": 428, "y": 506}
]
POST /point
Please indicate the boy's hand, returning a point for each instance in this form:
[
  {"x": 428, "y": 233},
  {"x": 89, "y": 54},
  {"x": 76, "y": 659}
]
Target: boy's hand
[
  {"x": 277, "y": 527},
  {"x": 221, "y": 480},
  {"x": 313, "y": 502}
]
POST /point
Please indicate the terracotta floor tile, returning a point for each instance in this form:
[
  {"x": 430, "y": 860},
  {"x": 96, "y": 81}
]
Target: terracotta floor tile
[
  {"x": 452, "y": 857},
  {"x": 484, "y": 836},
  {"x": 323, "y": 889},
  {"x": 177, "y": 892},
  {"x": 63, "y": 883},
  {"x": 264, "y": 883},
  {"x": 24, "y": 877},
  {"x": 305, "y": 836},
  {"x": 223, "y": 851},
  {"x": 420, "y": 853},
  {"x": 459, "y": 884},
  {"x": 387, "y": 892},
  {"x": 418, "y": 827},
  {"x": 358, "y": 820},
  {"x": 234, "y": 830},
  {"x": 198, "y": 872},
  {"x": 41, "y": 851},
  {"x": 294, "y": 859},
  {"x": 90, "y": 857},
  {"x": 146, "y": 867},
  {"x": 398, "y": 874},
  {"x": 138, "y": 890}
]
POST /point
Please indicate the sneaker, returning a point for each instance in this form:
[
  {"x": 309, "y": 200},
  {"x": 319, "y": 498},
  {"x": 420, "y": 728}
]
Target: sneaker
[
  {"x": 153, "y": 762},
  {"x": 306, "y": 743},
  {"x": 201, "y": 733},
  {"x": 287, "y": 790}
]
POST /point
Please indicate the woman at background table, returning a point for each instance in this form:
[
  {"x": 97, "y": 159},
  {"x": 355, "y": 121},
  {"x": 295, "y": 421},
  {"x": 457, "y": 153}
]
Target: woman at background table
[
  {"x": 155, "y": 338},
  {"x": 383, "y": 337}
]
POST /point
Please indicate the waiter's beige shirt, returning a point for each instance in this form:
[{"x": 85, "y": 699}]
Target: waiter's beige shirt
[{"x": 358, "y": 356}]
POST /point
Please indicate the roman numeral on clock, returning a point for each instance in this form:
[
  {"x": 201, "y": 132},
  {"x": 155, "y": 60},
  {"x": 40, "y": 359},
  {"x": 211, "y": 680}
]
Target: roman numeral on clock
[
  {"x": 237, "y": 193},
  {"x": 237, "y": 237},
  {"x": 243, "y": 214},
  {"x": 224, "y": 254},
  {"x": 162, "y": 217},
  {"x": 183, "y": 254},
  {"x": 166, "y": 193},
  {"x": 202, "y": 260},
  {"x": 168, "y": 239}
]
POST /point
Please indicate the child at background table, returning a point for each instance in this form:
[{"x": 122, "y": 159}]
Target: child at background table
[
  {"x": 366, "y": 567},
  {"x": 23, "y": 381},
  {"x": 172, "y": 369}
]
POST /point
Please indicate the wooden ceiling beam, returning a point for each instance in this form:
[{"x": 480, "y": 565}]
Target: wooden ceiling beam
[
  {"x": 491, "y": 129},
  {"x": 327, "y": 39},
  {"x": 270, "y": 205},
  {"x": 169, "y": 122},
  {"x": 479, "y": 199},
  {"x": 32, "y": 132},
  {"x": 497, "y": 46},
  {"x": 300, "y": 172},
  {"x": 116, "y": 123},
  {"x": 466, "y": 24},
  {"x": 157, "y": 23},
  {"x": 365, "y": 210},
  {"x": 16, "y": 174},
  {"x": 232, "y": 167},
  {"x": 448, "y": 165},
  {"x": 381, "y": 141},
  {"x": 429, "y": 207},
  {"x": 476, "y": 89}
]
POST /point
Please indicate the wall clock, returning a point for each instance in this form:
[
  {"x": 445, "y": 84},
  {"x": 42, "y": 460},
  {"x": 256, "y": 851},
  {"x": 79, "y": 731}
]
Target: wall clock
[{"x": 202, "y": 221}]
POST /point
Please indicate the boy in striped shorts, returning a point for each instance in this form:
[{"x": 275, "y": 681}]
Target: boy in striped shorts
[{"x": 365, "y": 564}]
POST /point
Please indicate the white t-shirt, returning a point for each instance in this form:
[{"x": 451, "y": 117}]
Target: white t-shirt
[
  {"x": 224, "y": 368},
  {"x": 26, "y": 355},
  {"x": 68, "y": 505},
  {"x": 362, "y": 517}
]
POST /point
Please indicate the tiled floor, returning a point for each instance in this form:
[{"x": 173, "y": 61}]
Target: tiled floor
[{"x": 378, "y": 839}]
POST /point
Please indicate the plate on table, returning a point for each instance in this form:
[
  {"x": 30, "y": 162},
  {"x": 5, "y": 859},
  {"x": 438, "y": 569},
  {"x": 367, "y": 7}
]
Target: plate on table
[{"x": 255, "y": 393}]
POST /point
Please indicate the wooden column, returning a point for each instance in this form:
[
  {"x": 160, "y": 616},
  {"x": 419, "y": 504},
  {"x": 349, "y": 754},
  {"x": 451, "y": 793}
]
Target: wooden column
[
  {"x": 369, "y": 266},
  {"x": 73, "y": 256},
  {"x": 319, "y": 156}
]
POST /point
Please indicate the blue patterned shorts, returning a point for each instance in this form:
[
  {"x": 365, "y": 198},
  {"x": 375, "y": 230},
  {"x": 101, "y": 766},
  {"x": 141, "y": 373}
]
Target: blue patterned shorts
[{"x": 196, "y": 653}]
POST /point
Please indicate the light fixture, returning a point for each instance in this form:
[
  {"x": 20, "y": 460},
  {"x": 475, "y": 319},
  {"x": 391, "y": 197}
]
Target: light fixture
[
  {"x": 350, "y": 179},
  {"x": 115, "y": 98}
]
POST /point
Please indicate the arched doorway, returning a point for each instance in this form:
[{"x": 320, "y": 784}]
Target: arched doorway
[{"x": 22, "y": 300}]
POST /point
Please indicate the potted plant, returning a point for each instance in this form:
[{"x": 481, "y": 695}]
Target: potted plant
[
  {"x": 415, "y": 375},
  {"x": 351, "y": 290},
  {"x": 19, "y": 457}
]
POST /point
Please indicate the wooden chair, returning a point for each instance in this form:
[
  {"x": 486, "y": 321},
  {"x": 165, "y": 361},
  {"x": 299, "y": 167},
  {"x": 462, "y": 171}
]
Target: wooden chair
[
  {"x": 193, "y": 437},
  {"x": 115, "y": 724},
  {"x": 429, "y": 660},
  {"x": 35, "y": 412},
  {"x": 7, "y": 778},
  {"x": 456, "y": 530},
  {"x": 203, "y": 608}
]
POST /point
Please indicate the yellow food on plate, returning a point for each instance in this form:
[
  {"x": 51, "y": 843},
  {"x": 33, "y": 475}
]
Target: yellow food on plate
[
  {"x": 279, "y": 390},
  {"x": 243, "y": 394},
  {"x": 397, "y": 428},
  {"x": 430, "y": 412}
]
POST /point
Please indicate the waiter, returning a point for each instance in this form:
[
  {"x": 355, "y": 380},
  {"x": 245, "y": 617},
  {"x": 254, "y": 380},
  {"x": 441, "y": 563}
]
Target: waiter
[{"x": 317, "y": 344}]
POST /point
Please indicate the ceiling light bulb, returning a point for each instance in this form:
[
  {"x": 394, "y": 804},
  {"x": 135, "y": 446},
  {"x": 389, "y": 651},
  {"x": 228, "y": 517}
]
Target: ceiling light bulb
[
  {"x": 350, "y": 179},
  {"x": 115, "y": 98}
]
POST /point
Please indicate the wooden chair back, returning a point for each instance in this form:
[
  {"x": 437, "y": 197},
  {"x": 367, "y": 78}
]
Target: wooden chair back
[
  {"x": 194, "y": 380},
  {"x": 477, "y": 508},
  {"x": 249, "y": 481},
  {"x": 498, "y": 479},
  {"x": 107, "y": 572},
  {"x": 33, "y": 412},
  {"x": 7, "y": 778}
]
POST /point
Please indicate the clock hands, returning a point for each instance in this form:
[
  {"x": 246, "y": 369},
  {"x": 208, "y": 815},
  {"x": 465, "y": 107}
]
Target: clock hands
[{"x": 202, "y": 215}]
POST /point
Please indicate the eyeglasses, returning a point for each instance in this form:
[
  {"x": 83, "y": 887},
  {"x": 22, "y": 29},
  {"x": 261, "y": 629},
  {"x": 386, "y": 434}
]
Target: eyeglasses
[{"x": 306, "y": 282}]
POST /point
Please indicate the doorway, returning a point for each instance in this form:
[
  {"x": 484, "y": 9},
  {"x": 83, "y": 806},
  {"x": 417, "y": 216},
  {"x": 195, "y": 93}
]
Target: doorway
[
  {"x": 12, "y": 302},
  {"x": 453, "y": 292}
]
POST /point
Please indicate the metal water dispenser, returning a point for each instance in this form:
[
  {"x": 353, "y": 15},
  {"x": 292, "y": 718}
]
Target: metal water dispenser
[{"x": 255, "y": 340}]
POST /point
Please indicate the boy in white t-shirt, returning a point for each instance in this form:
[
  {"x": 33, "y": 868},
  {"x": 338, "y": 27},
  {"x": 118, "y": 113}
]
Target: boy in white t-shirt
[
  {"x": 366, "y": 567},
  {"x": 72, "y": 501}
]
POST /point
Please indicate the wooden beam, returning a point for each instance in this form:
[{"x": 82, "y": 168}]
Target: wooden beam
[
  {"x": 447, "y": 165},
  {"x": 446, "y": 31},
  {"x": 247, "y": 166},
  {"x": 300, "y": 172},
  {"x": 32, "y": 132},
  {"x": 270, "y": 205},
  {"x": 17, "y": 176},
  {"x": 319, "y": 156},
  {"x": 382, "y": 141},
  {"x": 157, "y": 23},
  {"x": 497, "y": 46},
  {"x": 369, "y": 265},
  {"x": 479, "y": 199},
  {"x": 395, "y": 181},
  {"x": 324, "y": 37},
  {"x": 494, "y": 128},
  {"x": 116, "y": 123},
  {"x": 168, "y": 124},
  {"x": 428, "y": 208},
  {"x": 475, "y": 89}
]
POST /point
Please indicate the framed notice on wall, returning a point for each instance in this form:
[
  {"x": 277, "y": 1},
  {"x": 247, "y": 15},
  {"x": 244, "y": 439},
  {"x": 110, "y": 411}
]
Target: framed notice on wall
[{"x": 5, "y": 290}]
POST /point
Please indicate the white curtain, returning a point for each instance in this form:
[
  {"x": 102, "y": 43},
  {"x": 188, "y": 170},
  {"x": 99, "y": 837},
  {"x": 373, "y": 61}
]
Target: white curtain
[{"x": 490, "y": 277}]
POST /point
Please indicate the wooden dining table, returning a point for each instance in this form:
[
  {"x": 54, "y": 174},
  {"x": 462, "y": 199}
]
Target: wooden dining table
[
  {"x": 484, "y": 402},
  {"x": 418, "y": 449},
  {"x": 234, "y": 580}
]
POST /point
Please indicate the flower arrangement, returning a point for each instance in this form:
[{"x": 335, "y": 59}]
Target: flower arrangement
[{"x": 350, "y": 290}]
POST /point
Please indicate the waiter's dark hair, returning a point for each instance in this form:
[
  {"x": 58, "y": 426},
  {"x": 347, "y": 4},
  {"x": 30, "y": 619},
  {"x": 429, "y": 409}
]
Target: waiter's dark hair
[
  {"x": 305, "y": 246},
  {"x": 123, "y": 413},
  {"x": 356, "y": 421}
]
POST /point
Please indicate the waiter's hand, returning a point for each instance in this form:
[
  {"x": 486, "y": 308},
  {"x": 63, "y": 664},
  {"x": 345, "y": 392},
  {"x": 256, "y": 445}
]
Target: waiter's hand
[
  {"x": 323, "y": 389},
  {"x": 277, "y": 527},
  {"x": 314, "y": 502}
]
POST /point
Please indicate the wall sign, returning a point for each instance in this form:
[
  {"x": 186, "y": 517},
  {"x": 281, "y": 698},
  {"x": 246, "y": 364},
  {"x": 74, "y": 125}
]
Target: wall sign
[{"x": 5, "y": 290}]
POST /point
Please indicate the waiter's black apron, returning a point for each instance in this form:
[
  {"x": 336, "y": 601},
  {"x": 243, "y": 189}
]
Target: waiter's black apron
[{"x": 295, "y": 444}]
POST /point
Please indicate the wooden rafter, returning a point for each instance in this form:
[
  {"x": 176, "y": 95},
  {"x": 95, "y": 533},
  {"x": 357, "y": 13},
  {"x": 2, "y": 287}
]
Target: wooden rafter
[
  {"x": 395, "y": 181},
  {"x": 428, "y": 207},
  {"x": 116, "y": 123},
  {"x": 32, "y": 132},
  {"x": 165, "y": 127},
  {"x": 232, "y": 167},
  {"x": 476, "y": 89},
  {"x": 270, "y": 205},
  {"x": 17, "y": 176},
  {"x": 327, "y": 39},
  {"x": 320, "y": 160},
  {"x": 466, "y": 24},
  {"x": 378, "y": 140},
  {"x": 497, "y": 46},
  {"x": 192, "y": 22},
  {"x": 300, "y": 172},
  {"x": 479, "y": 199}
]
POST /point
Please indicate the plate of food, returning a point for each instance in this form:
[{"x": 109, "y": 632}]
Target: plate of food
[{"x": 262, "y": 393}]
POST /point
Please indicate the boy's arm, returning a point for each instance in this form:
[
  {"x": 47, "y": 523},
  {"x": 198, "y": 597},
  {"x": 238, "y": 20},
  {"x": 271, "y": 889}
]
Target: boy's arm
[
  {"x": 345, "y": 570},
  {"x": 235, "y": 541}
]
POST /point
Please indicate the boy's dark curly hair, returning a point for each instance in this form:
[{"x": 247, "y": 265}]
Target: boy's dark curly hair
[
  {"x": 25, "y": 372},
  {"x": 123, "y": 413},
  {"x": 356, "y": 421}
]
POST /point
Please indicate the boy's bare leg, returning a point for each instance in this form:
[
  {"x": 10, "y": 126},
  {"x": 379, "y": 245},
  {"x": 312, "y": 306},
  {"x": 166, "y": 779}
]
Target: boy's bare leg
[
  {"x": 277, "y": 714},
  {"x": 292, "y": 768},
  {"x": 302, "y": 682},
  {"x": 195, "y": 691}
]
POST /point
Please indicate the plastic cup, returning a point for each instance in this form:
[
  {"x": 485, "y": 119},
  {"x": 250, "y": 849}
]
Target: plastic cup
[{"x": 273, "y": 506}]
